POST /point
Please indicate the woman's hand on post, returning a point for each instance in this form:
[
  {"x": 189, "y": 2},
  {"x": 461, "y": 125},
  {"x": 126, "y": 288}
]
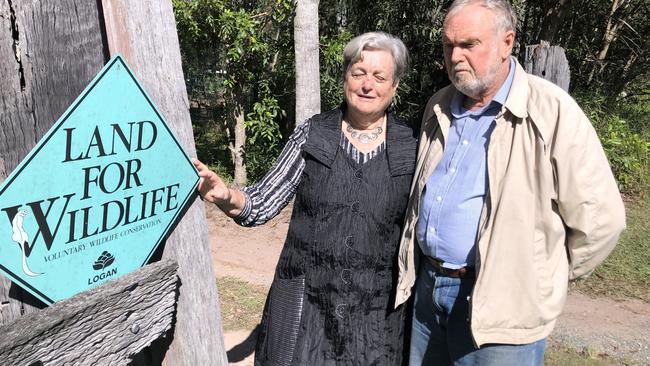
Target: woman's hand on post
[
  {"x": 211, "y": 187},
  {"x": 213, "y": 190}
]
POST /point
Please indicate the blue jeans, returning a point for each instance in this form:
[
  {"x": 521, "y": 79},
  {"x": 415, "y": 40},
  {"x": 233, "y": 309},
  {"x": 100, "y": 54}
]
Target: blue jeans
[{"x": 441, "y": 333}]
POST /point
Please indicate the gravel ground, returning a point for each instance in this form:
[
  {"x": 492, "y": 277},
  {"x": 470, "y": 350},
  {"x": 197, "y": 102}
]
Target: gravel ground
[{"x": 620, "y": 329}]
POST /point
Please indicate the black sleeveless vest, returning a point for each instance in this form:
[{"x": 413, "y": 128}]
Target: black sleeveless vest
[{"x": 331, "y": 301}]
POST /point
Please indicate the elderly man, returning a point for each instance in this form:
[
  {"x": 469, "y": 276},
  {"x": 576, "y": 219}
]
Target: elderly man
[{"x": 512, "y": 198}]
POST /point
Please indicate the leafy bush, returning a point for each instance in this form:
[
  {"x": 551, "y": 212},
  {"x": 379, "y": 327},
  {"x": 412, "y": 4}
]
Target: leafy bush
[
  {"x": 637, "y": 111},
  {"x": 259, "y": 160},
  {"x": 626, "y": 149},
  {"x": 627, "y": 152},
  {"x": 212, "y": 144},
  {"x": 331, "y": 76},
  {"x": 264, "y": 137}
]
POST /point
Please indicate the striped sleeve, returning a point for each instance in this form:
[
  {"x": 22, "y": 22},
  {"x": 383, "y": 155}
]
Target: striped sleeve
[{"x": 270, "y": 195}]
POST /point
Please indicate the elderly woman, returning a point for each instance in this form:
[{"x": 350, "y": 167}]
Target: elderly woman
[{"x": 350, "y": 171}]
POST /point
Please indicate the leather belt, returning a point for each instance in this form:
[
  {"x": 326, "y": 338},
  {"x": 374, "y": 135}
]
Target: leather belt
[{"x": 463, "y": 272}]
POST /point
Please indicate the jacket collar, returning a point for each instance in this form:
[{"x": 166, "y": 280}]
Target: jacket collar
[
  {"x": 401, "y": 146},
  {"x": 442, "y": 110},
  {"x": 517, "y": 101},
  {"x": 324, "y": 136}
]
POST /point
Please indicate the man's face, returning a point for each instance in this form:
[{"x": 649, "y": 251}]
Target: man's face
[{"x": 475, "y": 52}]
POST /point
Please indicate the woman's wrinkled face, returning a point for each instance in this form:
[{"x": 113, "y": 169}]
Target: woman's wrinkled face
[{"x": 369, "y": 86}]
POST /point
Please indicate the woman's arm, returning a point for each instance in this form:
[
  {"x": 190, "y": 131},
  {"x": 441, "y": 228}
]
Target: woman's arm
[
  {"x": 270, "y": 195},
  {"x": 257, "y": 204}
]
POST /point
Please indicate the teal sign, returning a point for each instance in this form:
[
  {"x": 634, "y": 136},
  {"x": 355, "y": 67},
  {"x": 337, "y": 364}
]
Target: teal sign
[{"x": 96, "y": 196}]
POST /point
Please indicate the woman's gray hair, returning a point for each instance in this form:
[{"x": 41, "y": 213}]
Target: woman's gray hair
[
  {"x": 377, "y": 41},
  {"x": 504, "y": 15}
]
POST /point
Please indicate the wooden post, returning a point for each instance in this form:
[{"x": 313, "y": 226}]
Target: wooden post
[
  {"x": 548, "y": 62},
  {"x": 144, "y": 32},
  {"x": 49, "y": 51}
]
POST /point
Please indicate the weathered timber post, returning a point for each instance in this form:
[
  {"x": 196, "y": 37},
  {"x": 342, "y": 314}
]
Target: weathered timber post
[
  {"x": 548, "y": 62},
  {"x": 49, "y": 51},
  {"x": 144, "y": 32}
]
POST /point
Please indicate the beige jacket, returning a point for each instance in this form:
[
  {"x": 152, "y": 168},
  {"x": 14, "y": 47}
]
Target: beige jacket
[{"x": 553, "y": 211}]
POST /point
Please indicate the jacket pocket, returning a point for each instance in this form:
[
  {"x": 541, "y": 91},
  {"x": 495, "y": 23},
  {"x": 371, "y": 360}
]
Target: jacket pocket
[{"x": 284, "y": 315}]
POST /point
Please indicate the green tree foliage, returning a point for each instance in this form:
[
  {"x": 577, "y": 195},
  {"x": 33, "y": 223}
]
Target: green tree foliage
[
  {"x": 234, "y": 55},
  {"x": 244, "y": 42},
  {"x": 614, "y": 90},
  {"x": 607, "y": 47},
  {"x": 331, "y": 64},
  {"x": 584, "y": 34}
]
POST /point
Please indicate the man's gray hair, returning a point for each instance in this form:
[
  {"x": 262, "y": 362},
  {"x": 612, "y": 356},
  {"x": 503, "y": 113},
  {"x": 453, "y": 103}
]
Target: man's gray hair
[
  {"x": 504, "y": 14},
  {"x": 377, "y": 41}
]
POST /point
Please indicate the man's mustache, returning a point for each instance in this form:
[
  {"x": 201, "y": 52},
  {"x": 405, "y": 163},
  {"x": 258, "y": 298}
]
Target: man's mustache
[{"x": 459, "y": 68}]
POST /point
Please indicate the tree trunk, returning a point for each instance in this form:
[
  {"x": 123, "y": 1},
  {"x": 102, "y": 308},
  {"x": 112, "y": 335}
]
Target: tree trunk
[
  {"x": 49, "y": 51},
  {"x": 625, "y": 77},
  {"x": 611, "y": 33},
  {"x": 152, "y": 50},
  {"x": 305, "y": 33},
  {"x": 553, "y": 20},
  {"x": 240, "y": 178}
]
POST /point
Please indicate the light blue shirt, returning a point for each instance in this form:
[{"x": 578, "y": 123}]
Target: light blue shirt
[{"x": 453, "y": 197}]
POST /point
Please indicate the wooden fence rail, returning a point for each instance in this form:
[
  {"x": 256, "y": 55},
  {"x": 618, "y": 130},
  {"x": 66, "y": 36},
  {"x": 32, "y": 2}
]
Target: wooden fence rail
[{"x": 108, "y": 325}]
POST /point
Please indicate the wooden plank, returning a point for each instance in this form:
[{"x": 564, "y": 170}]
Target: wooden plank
[
  {"x": 106, "y": 325},
  {"x": 144, "y": 32},
  {"x": 49, "y": 51},
  {"x": 548, "y": 62},
  {"x": 116, "y": 29}
]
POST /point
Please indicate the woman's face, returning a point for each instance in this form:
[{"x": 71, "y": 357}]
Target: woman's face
[{"x": 369, "y": 86}]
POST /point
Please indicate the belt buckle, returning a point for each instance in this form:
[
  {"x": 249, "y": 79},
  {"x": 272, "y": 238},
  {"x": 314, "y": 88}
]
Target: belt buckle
[{"x": 448, "y": 272}]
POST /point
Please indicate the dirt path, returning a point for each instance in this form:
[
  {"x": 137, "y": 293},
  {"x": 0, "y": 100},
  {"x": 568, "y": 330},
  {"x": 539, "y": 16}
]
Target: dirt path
[{"x": 620, "y": 329}]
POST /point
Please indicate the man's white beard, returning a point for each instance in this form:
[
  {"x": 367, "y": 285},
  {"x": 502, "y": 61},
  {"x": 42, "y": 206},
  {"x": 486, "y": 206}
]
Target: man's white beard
[{"x": 471, "y": 85}]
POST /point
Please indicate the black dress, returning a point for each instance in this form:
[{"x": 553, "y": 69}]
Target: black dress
[{"x": 332, "y": 298}]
